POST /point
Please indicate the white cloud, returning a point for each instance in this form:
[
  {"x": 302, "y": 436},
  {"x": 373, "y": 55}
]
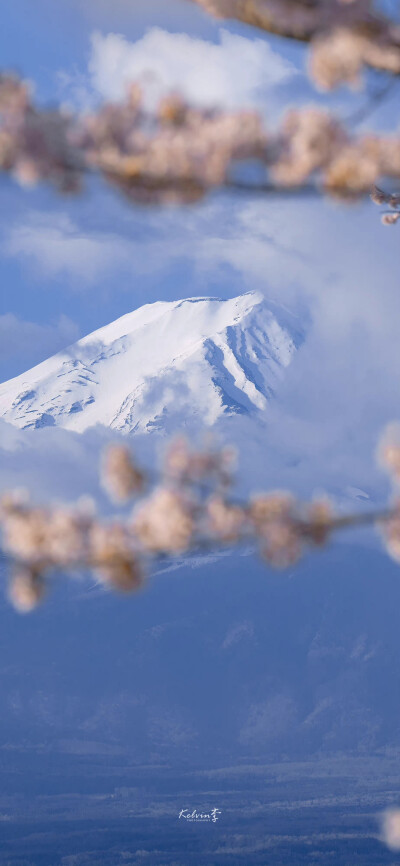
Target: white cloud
[
  {"x": 54, "y": 466},
  {"x": 56, "y": 246},
  {"x": 330, "y": 264},
  {"x": 235, "y": 72}
]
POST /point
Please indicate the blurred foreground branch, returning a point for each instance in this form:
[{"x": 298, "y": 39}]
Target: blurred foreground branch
[
  {"x": 179, "y": 153},
  {"x": 344, "y": 35},
  {"x": 190, "y": 507}
]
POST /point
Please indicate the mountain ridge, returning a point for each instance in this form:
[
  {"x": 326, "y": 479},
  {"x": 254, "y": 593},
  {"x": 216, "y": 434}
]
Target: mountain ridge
[{"x": 163, "y": 365}]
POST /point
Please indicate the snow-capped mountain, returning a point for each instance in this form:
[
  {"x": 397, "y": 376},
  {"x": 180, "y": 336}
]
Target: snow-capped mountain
[{"x": 161, "y": 366}]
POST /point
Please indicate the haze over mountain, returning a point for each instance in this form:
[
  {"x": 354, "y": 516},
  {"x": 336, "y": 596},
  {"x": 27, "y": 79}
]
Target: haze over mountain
[{"x": 161, "y": 367}]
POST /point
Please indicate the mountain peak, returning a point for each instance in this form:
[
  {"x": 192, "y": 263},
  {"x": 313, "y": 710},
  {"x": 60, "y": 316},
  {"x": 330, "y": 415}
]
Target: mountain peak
[{"x": 162, "y": 366}]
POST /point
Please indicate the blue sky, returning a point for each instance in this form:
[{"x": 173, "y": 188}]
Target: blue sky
[{"x": 69, "y": 266}]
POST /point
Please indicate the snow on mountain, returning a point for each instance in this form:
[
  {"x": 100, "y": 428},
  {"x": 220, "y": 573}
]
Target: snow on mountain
[{"x": 164, "y": 365}]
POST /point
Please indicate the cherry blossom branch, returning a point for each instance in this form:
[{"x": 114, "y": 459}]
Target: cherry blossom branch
[
  {"x": 179, "y": 153},
  {"x": 345, "y": 35},
  {"x": 189, "y": 508},
  {"x": 379, "y": 197},
  {"x": 299, "y": 19}
]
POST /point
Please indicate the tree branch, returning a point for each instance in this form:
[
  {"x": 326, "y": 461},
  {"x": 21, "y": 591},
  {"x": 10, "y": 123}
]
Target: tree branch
[
  {"x": 376, "y": 37},
  {"x": 179, "y": 153},
  {"x": 189, "y": 509}
]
